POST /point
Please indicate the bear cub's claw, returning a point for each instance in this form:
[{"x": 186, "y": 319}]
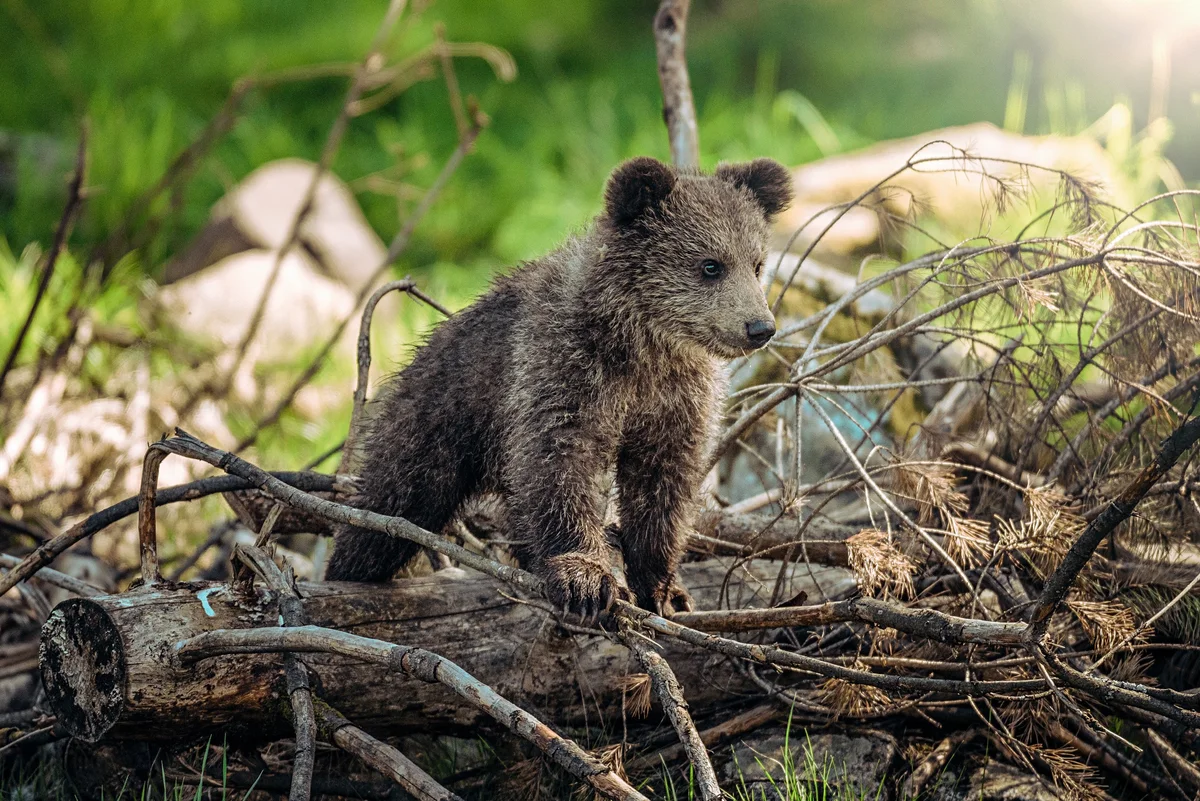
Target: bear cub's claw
[
  {"x": 667, "y": 599},
  {"x": 582, "y": 585}
]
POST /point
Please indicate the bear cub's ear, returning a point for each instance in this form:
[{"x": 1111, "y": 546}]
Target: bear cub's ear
[
  {"x": 767, "y": 179},
  {"x": 636, "y": 187}
]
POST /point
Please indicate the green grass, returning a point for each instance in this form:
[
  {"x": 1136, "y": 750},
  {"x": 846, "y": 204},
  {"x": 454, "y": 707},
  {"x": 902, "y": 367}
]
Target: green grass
[
  {"x": 799, "y": 776},
  {"x": 41, "y": 780}
]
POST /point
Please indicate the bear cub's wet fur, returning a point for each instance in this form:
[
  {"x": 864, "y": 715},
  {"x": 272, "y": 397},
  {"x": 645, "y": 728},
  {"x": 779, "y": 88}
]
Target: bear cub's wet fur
[{"x": 606, "y": 354}]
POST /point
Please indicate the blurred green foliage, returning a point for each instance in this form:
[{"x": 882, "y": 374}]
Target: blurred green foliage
[
  {"x": 781, "y": 78},
  {"x": 791, "y": 80}
]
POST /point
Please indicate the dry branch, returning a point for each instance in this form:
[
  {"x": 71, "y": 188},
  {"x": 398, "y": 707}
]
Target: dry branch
[
  {"x": 1117, "y": 511},
  {"x": 407, "y": 286},
  {"x": 670, "y": 696},
  {"x": 740, "y": 724},
  {"x": 369, "y": 65},
  {"x": 48, "y": 552},
  {"x": 291, "y": 613},
  {"x": 926, "y": 624},
  {"x": 55, "y": 578},
  {"x": 419, "y": 664},
  {"x": 147, "y": 519},
  {"x": 65, "y": 223},
  {"x": 380, "y": 756},
  {"x": 679, "y": 111}
]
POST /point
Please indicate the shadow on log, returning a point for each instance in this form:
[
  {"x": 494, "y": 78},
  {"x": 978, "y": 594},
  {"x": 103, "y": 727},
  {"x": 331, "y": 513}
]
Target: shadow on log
[{"x": 110, "y": 668}]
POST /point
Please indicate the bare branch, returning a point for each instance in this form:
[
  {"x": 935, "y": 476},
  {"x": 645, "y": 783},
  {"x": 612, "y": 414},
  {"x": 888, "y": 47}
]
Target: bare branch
[
  {"x": 422, "y": 665},
  {"x": 291, "y": 613},
  {"x": 48, "y": 552},
  {"x": 65, "y": 223},
  {"x": 670, "y": 696},
  {"x": 147, "y": 522},
  {"x": 382, "y": 757},
  {"x": 1120, "y": 508},
  {"x": 398, "y": 245},
  {"x": 679, "y": 111},
  {"x": 364, "y": 355},
  {"x": 55, "y": 578}
]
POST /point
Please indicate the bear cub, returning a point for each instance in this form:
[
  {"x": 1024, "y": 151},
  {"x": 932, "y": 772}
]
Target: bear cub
[{"x": 603, "y": 359}]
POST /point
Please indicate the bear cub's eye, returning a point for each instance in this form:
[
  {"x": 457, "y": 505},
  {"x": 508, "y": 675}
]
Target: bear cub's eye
[
  {"x": 712, "y": 269},
  {"x": 758, "y": 270}
]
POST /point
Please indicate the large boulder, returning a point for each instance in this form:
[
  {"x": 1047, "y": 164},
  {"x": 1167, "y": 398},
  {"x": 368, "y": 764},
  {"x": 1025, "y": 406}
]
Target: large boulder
[
  {"x": 218, "y": 303},
  {"x": 259, "y": 212},
  {"x": 772, "y": 764},
  {"x": 959, "y": 190}
]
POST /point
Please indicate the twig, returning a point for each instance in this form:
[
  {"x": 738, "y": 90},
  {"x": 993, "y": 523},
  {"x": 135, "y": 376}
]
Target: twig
[
  {"x": 926, "y": 623},
  {"x": 364, "y": 355},
  {"x": 446, "y": 56},
  {"x": 739, "y": 724},
  {"x": 55, "y": 578},
  {"x": 887, "y": 501},
  {"x": 398, "y": 245},
  {"x": 774, "y": 655},
  {"x": 1097, "y": 754},
  {"x": 679, "y": 112},
  {"x": 37, "y": 737},
  {"x": 1184, "y": 768},
  {"x": 1146, "y": 624},
  {"x": 101, "y": 520},
  {"x": 291, "y": 613},
  {"x": 185, "y": 444},
  {"x": 670, "y": 697},
  {"x": 381, "y": 756},
  {"x": 934, "y": 762},
  {"x": 65, "y": 222},
  {"x": 1115, "y": 692},
  {"x": 423, "y": 665},
  {"x": 268, "y": 525},
  {"x": 147, "y": 519},
  {"x": 1172, "y": 448},
  {"x": 370, "y": 64}
]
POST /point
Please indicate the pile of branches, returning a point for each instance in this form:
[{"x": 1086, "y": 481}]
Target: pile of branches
[{"x": 1022, "y": 563}]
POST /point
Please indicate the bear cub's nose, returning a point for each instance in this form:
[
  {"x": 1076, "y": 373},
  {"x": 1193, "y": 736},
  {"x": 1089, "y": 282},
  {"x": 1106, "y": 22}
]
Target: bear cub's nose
[{"x": 759, "y": 332}]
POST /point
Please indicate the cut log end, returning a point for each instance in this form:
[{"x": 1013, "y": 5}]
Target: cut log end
[{"x": 83, "y": 668}]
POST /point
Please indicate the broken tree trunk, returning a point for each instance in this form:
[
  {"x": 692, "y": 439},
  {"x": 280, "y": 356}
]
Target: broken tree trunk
[{"x": 110, "y": 669}]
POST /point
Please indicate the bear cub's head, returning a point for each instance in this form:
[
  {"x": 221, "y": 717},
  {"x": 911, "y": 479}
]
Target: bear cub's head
[{"x": 691, "y": 248}]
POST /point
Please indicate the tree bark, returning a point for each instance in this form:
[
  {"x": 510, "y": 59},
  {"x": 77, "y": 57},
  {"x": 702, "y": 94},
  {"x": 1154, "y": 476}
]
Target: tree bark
[{"x": 110, "y": 669}]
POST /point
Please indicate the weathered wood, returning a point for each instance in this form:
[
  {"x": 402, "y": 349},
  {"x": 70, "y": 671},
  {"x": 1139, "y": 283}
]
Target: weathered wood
[{"x": 109, "y": 667}]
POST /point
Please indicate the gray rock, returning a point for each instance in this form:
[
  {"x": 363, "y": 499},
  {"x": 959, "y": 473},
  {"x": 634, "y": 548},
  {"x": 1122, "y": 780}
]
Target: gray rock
[
  {"x": 812, "y": 765},
  {"x": 258, "y": 214},
  {"x": 996, "y": 781}
]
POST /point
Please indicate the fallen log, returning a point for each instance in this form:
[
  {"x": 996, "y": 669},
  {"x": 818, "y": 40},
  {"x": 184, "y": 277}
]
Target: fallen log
[{"x": 110, "y": 668}]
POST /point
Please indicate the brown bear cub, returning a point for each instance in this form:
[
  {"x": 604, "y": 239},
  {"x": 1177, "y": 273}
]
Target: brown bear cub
[{"x": 605, "y": 355}]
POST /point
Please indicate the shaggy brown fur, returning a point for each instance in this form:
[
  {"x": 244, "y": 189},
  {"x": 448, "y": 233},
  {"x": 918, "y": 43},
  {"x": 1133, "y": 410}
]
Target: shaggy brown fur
[{"x": 605, "y": 354}]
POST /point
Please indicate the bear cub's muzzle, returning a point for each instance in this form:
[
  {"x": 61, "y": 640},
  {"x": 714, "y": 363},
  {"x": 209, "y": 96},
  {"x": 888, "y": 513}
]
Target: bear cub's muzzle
[{"x": 759, "y": 332}]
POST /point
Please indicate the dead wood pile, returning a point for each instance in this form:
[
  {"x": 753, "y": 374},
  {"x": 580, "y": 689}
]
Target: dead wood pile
[{"x": 955, "y": 498}]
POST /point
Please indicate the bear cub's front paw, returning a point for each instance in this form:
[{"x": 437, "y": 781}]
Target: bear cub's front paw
[
  {"x": 582, "y": 584},
  {"x": 666, "y": 599}
]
